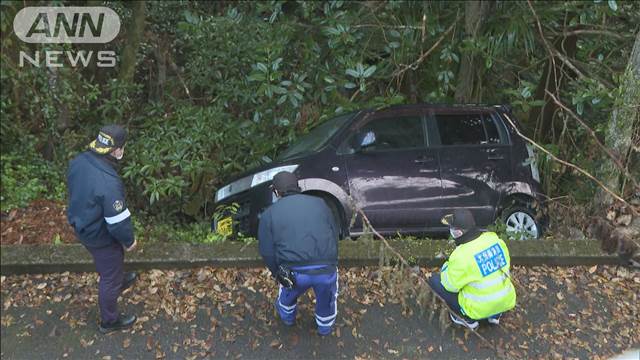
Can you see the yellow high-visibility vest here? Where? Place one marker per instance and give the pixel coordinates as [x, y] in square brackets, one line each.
[479, 272]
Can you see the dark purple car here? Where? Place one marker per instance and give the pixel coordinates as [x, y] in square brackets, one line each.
[405, 167]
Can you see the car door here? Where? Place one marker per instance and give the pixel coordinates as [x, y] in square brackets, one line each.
[395, 179]
[474, 161]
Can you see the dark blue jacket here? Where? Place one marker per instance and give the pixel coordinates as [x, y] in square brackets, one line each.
[298, 230]
[97, 209]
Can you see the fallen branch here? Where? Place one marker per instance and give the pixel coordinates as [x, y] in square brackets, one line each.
[566, 163]
[395, 252]
[611, 155]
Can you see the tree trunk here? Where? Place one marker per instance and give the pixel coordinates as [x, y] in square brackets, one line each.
[134, 34]
[624, 123]
[160, 51]
[469, 77]
[542, 118]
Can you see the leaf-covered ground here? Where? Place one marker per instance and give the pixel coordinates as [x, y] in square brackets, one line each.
[579, 312]
[42, 222]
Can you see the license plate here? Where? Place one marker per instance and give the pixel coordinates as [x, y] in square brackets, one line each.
[224, 227]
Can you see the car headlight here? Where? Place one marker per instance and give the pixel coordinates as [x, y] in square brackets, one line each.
[248, 182]
[267, 175]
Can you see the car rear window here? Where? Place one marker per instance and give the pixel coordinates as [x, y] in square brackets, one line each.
[467, 129]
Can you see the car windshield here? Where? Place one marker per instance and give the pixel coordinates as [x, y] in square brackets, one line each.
[317, 137]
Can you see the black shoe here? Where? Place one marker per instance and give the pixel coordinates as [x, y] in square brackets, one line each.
[471, 324]
[124, 322]
[129, 279]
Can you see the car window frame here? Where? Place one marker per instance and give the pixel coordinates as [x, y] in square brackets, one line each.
[434, 129]
[345, 149]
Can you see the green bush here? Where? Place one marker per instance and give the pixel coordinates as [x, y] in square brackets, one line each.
[27, 177]
[175, 163]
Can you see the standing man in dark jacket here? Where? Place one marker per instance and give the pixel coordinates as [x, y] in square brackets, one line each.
[298, 240]
[102, 222]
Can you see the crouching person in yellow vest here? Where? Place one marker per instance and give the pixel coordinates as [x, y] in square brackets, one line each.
[475, 281]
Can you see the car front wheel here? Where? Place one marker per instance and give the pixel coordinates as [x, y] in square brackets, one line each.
[521, 223]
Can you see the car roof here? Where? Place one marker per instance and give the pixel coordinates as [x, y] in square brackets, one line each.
[461, 107]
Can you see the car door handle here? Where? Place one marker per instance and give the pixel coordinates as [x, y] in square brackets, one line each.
[424, 159]
[496, 157]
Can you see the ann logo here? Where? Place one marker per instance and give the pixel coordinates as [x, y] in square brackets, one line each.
[75, 28]
[72, 24]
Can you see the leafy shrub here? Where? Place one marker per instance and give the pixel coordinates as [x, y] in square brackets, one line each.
[27, 177]
[176, 162]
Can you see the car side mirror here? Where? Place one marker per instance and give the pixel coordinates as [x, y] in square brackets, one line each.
[363, 140]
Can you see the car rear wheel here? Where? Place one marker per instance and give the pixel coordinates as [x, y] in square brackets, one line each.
[521, 223]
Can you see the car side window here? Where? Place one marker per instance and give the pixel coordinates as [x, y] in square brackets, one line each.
[493, 136]
[461, 129]
[467, 129]
[393, 133]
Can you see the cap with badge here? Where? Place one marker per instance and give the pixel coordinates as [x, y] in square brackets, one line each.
[285, 181]
[460, 218]
[109, 138]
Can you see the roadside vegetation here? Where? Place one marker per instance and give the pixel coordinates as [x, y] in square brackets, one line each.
[209, 89]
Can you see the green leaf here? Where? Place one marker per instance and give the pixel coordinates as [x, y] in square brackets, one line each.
[369, 71]
[262, 67]
[352, 73]
[256, 76]
[349, 85]
[613, 5]
[279, 90]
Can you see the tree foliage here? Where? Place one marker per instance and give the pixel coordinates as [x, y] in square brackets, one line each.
[217, 86]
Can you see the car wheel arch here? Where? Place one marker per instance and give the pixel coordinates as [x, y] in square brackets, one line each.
[329, 191]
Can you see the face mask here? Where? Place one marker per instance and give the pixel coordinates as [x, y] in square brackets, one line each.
[455, 233]
[118, 154]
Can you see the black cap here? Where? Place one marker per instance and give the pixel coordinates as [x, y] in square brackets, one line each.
[109, 138]
[461, 219]
[285, 181]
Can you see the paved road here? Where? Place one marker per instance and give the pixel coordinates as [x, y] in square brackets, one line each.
[569, 313]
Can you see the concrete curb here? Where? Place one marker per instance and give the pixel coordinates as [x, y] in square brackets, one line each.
[29, 259]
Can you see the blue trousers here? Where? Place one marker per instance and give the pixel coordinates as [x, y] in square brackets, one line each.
[325, 287]
[109, 262]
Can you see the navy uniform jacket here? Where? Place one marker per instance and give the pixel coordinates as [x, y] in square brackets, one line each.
[298, 230]
[97, 209]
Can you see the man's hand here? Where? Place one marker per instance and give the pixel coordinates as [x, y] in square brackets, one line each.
[132, 247]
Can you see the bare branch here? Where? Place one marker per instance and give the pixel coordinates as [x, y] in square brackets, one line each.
[544, 40]
[566, 163]
[596, 32]
[611, 155]
[424, 55]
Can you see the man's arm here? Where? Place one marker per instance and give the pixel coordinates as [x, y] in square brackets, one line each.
[454, 275]
[117, 215]
[266, 244]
